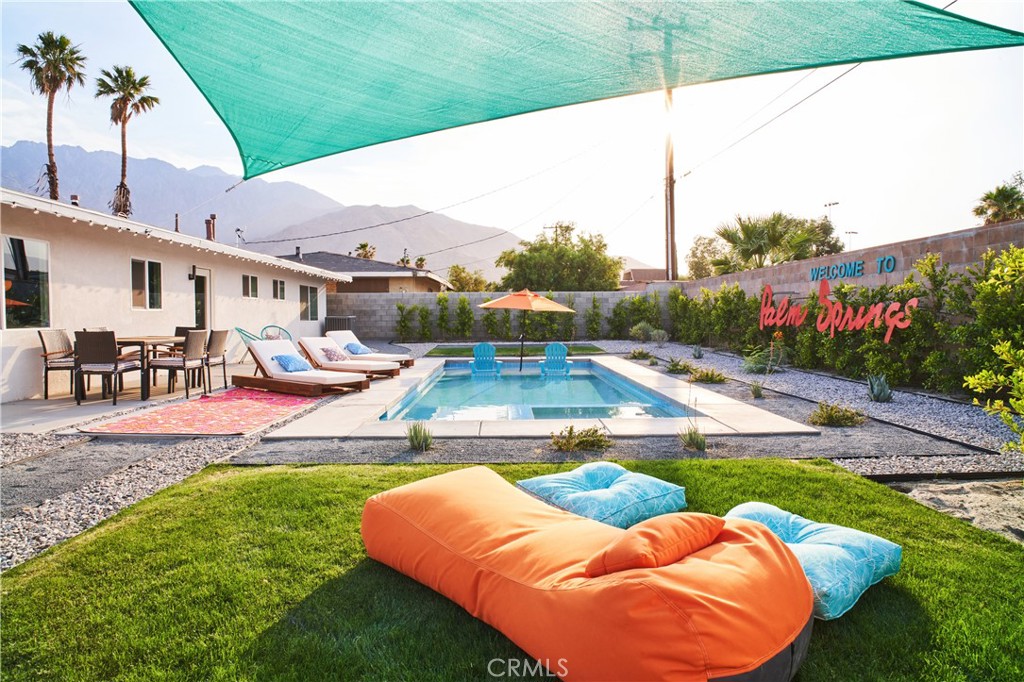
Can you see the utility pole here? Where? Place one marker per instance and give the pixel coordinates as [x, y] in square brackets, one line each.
[670, 76]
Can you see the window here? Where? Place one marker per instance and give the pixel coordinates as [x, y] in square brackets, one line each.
[308, 303]
[279, 289]
[147, 284]
[26, 283]
[250, 286]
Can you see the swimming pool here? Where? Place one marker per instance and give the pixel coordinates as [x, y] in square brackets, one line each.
[591, 392]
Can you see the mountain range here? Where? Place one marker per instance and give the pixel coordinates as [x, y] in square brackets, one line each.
[276, 217]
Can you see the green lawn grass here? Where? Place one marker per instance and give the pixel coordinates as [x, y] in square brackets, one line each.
[260, 574]
[511, 351]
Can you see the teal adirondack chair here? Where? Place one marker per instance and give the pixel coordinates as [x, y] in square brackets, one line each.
[484, 361]
[554, 362]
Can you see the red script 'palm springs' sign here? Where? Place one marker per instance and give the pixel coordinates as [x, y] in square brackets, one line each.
[835, 316]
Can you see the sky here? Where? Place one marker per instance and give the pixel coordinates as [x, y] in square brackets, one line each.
[902, 148]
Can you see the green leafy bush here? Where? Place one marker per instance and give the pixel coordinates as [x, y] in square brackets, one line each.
[1007, 387]
[419, 436]
[426, 333]
[707, 376]
[594, 318]
[444, 327]
[757, 389]
[693, 439]
[571, 440]
[678, 366]
[641, 332]
[659, 337]
[567, 321]
[619, 320]
[404, 325]
[829, 414]
[878, 389]
[490, 321]
[464, 318]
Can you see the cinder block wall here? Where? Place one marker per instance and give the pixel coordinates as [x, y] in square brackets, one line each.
[377, 315]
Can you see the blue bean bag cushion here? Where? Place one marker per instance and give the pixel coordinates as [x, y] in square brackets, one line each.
[841, 563]
[606, 492]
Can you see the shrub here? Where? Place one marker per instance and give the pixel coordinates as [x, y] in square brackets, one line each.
[463, 318]
[659, 337]
[571, 440]
[688, 318]
[678, 366]
[404, 324]
[594, 319]
[426, 334]
[1008, 386]
[652, 362]
[490, 321]
[641, 332]
[829, 414]
[567, 321]
[419, 436]
[707, 376]
[618, 321]
[757, 389]
[444, 327]
[506, 325]
[645, 309]
[693, 439]
[697, 352]
[638, 354]
[878, 389]
[765, 360]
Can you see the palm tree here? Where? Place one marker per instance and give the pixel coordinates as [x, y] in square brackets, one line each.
[364, 250]
[756, 242]
[1003, 203]
[421, 262]
[54, 65]
[404, 261]
[129, 96]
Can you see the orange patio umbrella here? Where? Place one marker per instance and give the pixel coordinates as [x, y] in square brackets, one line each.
[528, 301]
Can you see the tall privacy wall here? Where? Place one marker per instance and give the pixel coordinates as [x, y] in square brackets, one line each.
[377, 314]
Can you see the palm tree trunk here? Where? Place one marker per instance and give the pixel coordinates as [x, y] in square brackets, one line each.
[51, 161]
[124, 150]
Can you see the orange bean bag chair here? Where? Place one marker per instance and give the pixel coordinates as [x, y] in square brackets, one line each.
[678, 597]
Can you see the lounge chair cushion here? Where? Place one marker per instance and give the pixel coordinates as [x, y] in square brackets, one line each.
[266, 351]
[841, 563]
[606, 492]
[656, 542]
[740, 604]
[333, 354]
[292, 363]
[358, 349]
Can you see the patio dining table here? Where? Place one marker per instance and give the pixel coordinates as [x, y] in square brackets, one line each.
[145, 344]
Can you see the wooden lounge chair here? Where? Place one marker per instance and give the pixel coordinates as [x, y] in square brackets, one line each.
[319, 348]
[343, 337]
[484, 360]
[312, 382]
[554, 362]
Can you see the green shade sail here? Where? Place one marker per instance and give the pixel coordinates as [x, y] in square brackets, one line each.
[295, 81]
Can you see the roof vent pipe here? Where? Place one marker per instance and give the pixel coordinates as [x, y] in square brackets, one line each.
[209, 230]
[177, 226]
[298, 252]
[74, 200]
[213, 227]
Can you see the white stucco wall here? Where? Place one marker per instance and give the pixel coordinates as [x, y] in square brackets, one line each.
[90, 286]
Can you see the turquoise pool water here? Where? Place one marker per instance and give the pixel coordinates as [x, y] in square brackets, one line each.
[591, 392]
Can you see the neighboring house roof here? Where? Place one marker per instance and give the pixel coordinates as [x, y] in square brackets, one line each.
[353, 266]
[103, 221]
[644, 275]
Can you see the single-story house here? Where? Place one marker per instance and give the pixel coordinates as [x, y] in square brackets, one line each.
[362, 275]
[67, 267]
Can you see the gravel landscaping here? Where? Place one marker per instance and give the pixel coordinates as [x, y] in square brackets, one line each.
[56, 486]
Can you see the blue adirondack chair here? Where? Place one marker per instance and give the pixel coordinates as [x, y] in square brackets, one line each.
[484, 361]
[554, 362]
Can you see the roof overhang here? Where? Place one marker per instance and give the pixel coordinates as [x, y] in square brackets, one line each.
[101, 221]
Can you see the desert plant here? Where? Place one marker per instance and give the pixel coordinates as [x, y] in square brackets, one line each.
[1008, 383]
[878, 388]
[693, 439]
[697, 352]
[678, 366]
[641, 332]
[652, 362]
[757, 389]
[638, 354]
[707, 376]
[571, 440]
[659, 337]
[759, 360]
[830, 414]
[419, 436]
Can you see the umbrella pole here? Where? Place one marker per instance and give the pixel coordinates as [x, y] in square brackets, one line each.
[522, 342]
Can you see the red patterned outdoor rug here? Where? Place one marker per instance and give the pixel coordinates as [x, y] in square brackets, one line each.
[237, 411]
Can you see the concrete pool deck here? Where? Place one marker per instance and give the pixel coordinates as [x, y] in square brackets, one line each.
[358, 415]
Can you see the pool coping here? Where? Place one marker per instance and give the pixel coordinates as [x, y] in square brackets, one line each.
[357, 415]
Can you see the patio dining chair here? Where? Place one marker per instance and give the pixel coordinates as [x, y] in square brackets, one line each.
[97, 353]
[58, 356]
[191, 358]
[216, 354]
[555, 362]
[484, 360]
